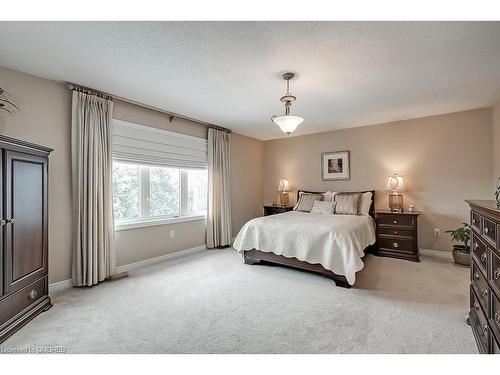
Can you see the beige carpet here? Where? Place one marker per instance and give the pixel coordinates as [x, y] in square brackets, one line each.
[212, 303]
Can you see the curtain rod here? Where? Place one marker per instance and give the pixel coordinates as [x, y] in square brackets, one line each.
[171, 115]
[90, 91]
[220, 128]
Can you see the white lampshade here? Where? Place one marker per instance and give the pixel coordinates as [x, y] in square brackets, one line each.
[288, 124]
[395, 183]
[283, 186]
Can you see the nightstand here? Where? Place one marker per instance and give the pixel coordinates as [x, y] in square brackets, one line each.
[397, 235]
[273, 210]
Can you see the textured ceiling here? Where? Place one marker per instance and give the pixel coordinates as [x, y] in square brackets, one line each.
[228, 73]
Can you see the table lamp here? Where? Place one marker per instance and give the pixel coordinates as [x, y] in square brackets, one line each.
[282, 188]
[394, 184]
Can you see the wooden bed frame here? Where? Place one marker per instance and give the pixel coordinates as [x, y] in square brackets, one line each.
[255, 256]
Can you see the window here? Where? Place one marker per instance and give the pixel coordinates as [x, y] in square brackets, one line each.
[150, 195]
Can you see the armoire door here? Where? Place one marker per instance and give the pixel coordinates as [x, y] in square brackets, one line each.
[25, 199]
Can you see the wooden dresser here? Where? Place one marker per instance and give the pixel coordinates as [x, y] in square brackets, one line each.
[484, 316]
[397, 235]
[23, 234]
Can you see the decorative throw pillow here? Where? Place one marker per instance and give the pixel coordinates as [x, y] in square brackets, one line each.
[347, 203]
[306, 202]
[329, 196]
[366, 202]
[323, 208]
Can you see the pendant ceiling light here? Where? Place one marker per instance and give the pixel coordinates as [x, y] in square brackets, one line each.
[287, 123]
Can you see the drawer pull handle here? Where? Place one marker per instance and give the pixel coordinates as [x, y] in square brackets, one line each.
[3, 222]
[484, 292]
[496, 274]
[497, 317]
[485, 328]
[473, 221]
[483, 257]
[475, 245]
[10, 221]
[33, 294]
[395, 232]
[476, 306]
[395, 244]
[476, 276]
[486, 230]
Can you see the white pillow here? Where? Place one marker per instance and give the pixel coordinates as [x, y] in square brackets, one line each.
[366, 202]
[323, 207]
[329, 196]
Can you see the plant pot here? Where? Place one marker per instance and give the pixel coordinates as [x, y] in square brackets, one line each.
[461, 255]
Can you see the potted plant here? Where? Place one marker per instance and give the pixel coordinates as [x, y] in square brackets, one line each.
[461, 253]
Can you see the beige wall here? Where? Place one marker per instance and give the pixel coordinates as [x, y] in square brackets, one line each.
[496, 143]
[444, 159]
[46, 119]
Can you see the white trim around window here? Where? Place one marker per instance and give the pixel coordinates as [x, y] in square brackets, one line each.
[124, 225]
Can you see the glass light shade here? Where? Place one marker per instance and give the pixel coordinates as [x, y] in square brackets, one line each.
[283, 185]
[395, 183]
[288, 124]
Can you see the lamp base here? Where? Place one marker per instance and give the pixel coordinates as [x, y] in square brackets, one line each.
[396, 202]
[284, 199]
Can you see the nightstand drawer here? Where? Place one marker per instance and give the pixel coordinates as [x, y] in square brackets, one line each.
[402, 220]
[393, 231]
[396, 244]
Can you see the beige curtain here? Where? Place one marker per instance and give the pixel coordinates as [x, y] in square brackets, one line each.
[91, 186]
[219, 197]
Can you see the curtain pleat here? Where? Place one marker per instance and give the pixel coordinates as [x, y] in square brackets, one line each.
[91, 188]
[219, 194]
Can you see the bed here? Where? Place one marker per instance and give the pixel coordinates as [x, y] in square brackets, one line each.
[331, 245]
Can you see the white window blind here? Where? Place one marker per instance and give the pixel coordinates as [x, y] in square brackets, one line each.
[145, 145]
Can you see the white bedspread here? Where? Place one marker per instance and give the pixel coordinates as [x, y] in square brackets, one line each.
[334, 241]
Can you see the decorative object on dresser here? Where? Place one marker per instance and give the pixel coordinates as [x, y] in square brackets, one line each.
[23, 234]
[461, 253]
[7, 102]
[394, 184]
[484, 315]
[397, 235]
[497, 193]
[273, 210]
[335, 165]
[282, 188]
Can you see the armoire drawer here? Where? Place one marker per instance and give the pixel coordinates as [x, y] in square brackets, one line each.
[14, 304]
[495, 348]
[475, 221]
[494, 276]
[495, 315]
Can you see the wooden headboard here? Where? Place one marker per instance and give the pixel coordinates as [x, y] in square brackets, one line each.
[371, 212]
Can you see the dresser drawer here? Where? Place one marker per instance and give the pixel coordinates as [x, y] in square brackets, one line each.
[495, 348]
[489, 231]
[480, 328]
[495, 314]
[479, 252]
[402, 220]
[393, 231]
[480, 285]
[14, 304]
[494, 275]
[396, 244]
[475, 221]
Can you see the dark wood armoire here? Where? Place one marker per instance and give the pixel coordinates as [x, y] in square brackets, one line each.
[23, 233]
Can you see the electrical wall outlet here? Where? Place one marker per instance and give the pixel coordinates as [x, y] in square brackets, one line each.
[172, 233]
[437, 231]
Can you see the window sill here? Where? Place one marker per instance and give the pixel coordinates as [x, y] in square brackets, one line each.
[156, 222]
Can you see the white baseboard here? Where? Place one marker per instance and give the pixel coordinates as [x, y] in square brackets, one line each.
[445, 254]
[60, 285]
[160, 259]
